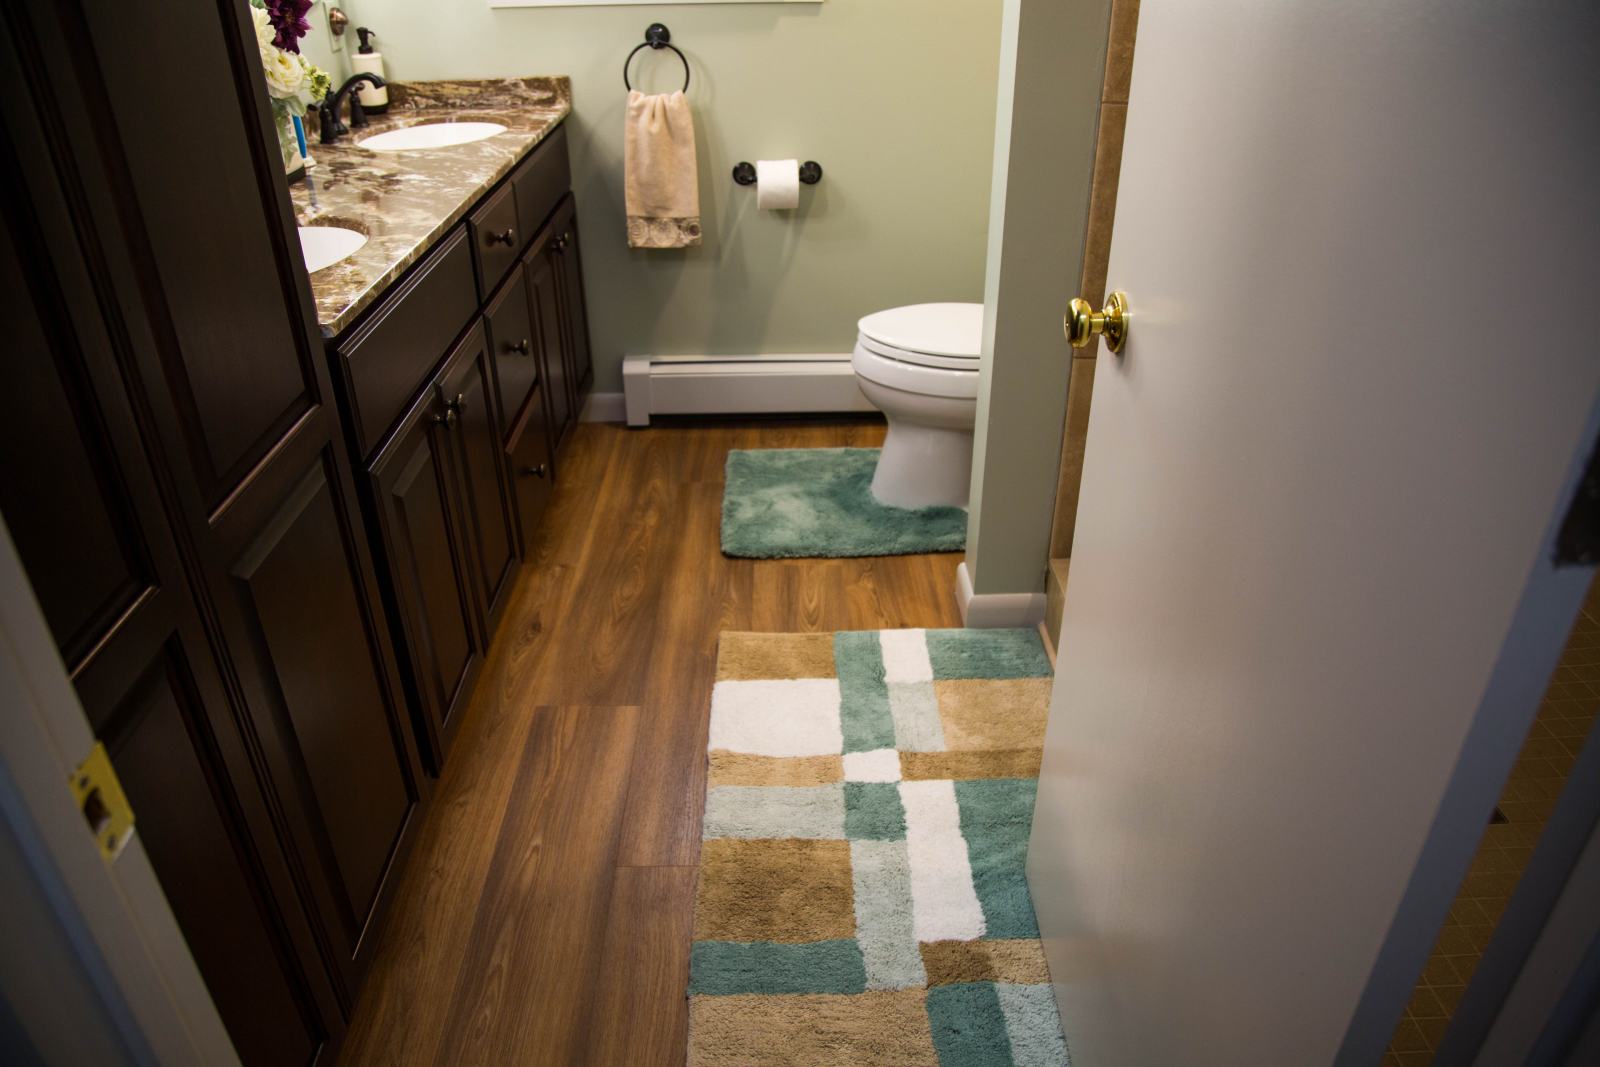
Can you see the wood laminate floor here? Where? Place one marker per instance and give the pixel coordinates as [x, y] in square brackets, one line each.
[544, 916]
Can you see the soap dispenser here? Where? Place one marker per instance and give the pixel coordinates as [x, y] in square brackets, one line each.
[375, 101]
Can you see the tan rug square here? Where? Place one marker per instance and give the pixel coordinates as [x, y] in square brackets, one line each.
[774, 890]
[884, 1029]
[971, 763]
[743, 768]
[993, 713]
[1018, 961]
[744, 656]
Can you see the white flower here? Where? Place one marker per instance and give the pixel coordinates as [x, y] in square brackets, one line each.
[286, 75]
[265, 33]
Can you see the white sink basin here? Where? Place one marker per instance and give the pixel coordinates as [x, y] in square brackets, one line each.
[431, 135]
[323, 246]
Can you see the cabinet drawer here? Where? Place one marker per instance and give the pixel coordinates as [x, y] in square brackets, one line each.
[496, 240]
[528, 458]
[543, 179]
[388, 359]
[516, 350]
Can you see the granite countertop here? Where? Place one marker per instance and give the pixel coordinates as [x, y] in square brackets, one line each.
[405, 201]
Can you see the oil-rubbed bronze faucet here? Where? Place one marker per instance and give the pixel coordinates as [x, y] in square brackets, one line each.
[328, 113]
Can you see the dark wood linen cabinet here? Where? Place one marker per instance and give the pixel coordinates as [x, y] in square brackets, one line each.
[180, 493]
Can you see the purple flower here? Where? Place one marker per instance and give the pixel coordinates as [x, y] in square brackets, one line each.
[288, 17]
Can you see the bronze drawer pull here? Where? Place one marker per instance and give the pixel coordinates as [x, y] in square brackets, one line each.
[536, 471]
[506, 237]
[523, 347]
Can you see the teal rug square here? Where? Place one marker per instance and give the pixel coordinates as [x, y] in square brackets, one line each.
[791, 503]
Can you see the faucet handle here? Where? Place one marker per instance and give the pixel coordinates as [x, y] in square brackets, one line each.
[328, 120]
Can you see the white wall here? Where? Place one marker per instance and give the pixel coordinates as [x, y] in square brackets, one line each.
[895, 98]
[1053, 58]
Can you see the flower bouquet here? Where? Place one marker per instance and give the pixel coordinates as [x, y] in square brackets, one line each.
[293, 82]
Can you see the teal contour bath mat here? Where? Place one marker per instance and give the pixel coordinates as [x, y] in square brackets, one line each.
[787, 503]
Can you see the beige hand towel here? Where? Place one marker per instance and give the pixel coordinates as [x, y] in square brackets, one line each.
[659, 172]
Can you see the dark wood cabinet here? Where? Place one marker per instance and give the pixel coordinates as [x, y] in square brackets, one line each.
[466, 388]
[552, 269]
[457, 484]
[310, 645]
[424, 544]
[187, 509]
[528, 460]
[104, 525]
[545, 300]
[273, 563]
[574, 309]
[511, 338]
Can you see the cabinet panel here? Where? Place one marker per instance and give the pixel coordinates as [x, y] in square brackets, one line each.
[528, 460]
[543, 179]
[575, 315]
[430, 575]
[516, 356]
[544, 298]
[324, 674]
[160, 746]
[496, 239]
[389, 357]
[88, 562]
[240, 371]
[467, 387]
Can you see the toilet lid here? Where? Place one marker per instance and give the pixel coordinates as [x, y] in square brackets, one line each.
[954, 331]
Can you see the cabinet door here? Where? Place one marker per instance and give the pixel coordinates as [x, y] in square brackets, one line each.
[466, 389]
[429, 571]
[309, 643]
[82, 503]
[574, 312]
[544, 300]
[528, 457]
[516, 358]
[242, 402]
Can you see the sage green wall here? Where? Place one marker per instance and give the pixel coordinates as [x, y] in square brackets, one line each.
[895, 98]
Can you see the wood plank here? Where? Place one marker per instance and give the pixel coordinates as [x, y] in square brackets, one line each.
[642, 1017]
[555, 869]
[523, 987]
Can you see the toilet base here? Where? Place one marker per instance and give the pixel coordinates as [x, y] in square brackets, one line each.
[923, 466]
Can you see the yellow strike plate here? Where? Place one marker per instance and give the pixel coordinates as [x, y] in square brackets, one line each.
[102, 801]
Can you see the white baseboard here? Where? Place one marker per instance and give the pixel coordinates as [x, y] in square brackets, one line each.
[983, 611]
[739, 385]
[603, 407]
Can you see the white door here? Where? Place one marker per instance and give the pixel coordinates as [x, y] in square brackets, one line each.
[1311, 606]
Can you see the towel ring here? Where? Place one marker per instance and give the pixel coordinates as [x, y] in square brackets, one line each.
[658, 37]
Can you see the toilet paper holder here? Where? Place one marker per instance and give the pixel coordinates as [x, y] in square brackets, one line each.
[810, 173]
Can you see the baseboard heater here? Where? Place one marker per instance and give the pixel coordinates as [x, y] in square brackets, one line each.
[738, 385]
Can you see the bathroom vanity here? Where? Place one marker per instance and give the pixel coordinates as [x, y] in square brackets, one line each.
[271, 519]
[459, 348]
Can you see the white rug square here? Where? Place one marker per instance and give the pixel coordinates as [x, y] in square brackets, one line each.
[786, 717]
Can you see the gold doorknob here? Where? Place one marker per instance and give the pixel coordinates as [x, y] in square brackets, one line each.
[1083, 323]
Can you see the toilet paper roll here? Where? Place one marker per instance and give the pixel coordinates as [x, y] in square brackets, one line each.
[777, 184]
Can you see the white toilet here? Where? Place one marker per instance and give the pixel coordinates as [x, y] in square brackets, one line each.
[919, 365]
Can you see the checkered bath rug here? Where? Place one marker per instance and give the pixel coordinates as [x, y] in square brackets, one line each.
[862, 897]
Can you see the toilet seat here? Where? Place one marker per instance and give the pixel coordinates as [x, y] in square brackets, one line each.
[913, 374]
[960, 364]
[929, 335]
